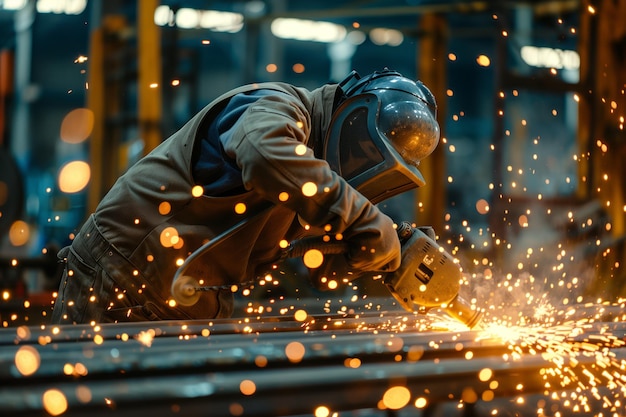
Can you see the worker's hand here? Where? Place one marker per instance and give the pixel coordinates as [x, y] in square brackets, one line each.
[373, 245]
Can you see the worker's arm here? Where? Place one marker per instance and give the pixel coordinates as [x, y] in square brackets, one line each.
[267, 146]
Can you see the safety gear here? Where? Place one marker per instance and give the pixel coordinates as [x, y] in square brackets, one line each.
[384, 125]
[373, 247]
[133, 246]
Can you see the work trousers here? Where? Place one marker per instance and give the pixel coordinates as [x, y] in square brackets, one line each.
[101, 285]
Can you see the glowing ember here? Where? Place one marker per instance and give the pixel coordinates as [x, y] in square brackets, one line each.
[27, 360]
[295, 351]
[146, 337]
[578, 356]
[54, 402]
[396, 397]
[247, 387]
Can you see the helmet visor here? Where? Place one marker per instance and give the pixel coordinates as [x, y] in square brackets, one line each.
[357, 151]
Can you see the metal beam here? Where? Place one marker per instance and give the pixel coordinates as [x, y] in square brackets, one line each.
[244, 366]
[543, 7]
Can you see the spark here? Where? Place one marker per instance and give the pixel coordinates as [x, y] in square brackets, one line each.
[146, 337]
[577, 353]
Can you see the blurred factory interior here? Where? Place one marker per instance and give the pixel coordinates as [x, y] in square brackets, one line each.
[526, 190]
[528, 177]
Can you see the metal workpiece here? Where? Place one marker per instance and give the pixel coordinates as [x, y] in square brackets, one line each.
[283, 366]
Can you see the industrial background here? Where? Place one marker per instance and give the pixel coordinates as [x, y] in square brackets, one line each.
[526, 187]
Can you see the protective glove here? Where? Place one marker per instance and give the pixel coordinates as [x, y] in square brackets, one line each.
[373, 243]
[373, 247]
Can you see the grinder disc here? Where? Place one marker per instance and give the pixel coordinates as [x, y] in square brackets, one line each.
[184, 290]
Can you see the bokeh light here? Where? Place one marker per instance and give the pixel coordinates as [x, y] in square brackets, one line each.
[483, 60]
[247, 387]
[313, 258]
[19, 233]
[77, 125]
[74, 176]
[309, 189]
[295, 351]
[396, 397]
[54, 402]
[27, 360]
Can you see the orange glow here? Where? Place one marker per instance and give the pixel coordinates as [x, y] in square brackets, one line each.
[54, 402]
[146, 337]
[23, 332]
[74, 176]
[235, 409]
[19, 233]
[523, 220]
[322, 411]
[485, 374]
[197, 191]
[309, 189]
[421, 402]
[488, 395]
[483, 60]
[482, 206]
[469, 395]
[169, 237]
[240, 208]
[165, 208]
[415, 353]
[260, 361]
[247, 387]
[295, 352]
[313, 258]
[300, 315]
[300, 149]
[83, 394]
[27, 360]
[77, 125]
[396, 397]
[352, 363]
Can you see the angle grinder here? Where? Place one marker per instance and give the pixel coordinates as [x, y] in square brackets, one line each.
[428, 277]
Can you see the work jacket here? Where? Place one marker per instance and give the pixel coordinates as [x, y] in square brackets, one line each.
[153, 218]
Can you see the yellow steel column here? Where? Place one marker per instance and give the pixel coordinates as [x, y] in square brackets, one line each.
[602, 114]
[603, 107]
[95, 102]
[431, 66]
[149, 51]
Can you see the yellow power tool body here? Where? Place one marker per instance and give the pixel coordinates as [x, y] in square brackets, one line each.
[429, 277]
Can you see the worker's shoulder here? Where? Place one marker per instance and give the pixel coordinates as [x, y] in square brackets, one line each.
[276, 88]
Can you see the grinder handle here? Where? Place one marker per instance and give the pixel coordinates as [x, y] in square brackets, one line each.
[299, 247]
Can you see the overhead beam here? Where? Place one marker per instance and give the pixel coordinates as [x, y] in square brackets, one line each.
[545, 7]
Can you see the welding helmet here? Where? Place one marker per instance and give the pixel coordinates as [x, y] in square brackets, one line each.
[383, 126]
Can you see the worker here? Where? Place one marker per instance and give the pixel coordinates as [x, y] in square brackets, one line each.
[284, 162]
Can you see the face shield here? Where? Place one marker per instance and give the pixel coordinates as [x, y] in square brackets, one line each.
[379, 133]
[356, 150]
